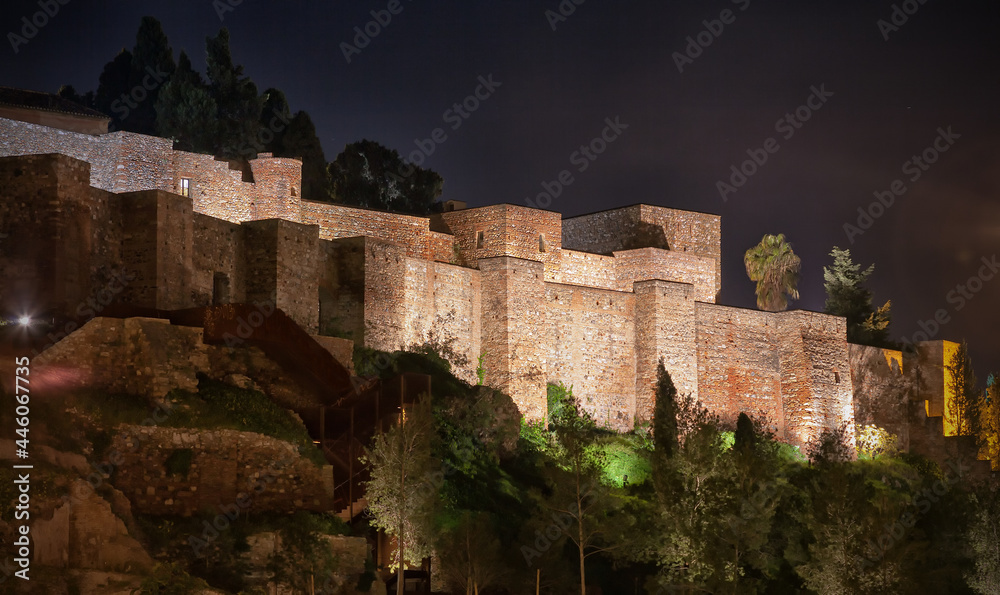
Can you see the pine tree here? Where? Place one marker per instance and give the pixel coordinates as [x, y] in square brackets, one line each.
[239, 107]
[151, 68]
[847, 296]
[185, 110]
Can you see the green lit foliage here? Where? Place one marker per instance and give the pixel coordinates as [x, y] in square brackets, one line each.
[874, 442]
[586, 512]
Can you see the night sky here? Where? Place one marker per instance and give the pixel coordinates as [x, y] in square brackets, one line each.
[886, 101]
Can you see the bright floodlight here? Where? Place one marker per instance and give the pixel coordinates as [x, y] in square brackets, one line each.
[24, 320]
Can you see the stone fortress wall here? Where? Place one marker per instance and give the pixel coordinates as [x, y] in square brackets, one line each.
[592, 301]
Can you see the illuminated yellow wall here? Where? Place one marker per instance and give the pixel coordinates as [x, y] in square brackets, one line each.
[949, 350]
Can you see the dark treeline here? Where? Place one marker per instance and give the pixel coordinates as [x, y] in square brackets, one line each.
[222, 113]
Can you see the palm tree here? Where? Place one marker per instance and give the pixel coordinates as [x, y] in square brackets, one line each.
[775, 268]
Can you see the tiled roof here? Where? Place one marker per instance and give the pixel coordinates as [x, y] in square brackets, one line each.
[45, 101]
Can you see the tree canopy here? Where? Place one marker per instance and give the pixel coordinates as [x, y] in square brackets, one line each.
[775, 268]
[847, 296]
[367, 174]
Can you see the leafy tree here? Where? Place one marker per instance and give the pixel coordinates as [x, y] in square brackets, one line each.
[984, 540]
[775, 268]
[186, 111]
[302, 556]
[301, 142]
[693, 491]
[366, 174]
[238, 105]
[964, 407]
[578, 505]
[847, 296]
[751, 506]
[401, 491]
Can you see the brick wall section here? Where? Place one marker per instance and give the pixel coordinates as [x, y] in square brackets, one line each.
[62, 236]
[283, 264]
[442, 302]
[591, 270]
[277, 183]
[664, 329]
[342, 288]
[508, 230]
[384, 295]
[130, 162]
[591, 346]
[739, 366]
[610, 231]
[157, 242]
[219, 251]
[816, 388]
[407, 231]
[681, 267]
[226, 463]
[881, 390]
[513, 331]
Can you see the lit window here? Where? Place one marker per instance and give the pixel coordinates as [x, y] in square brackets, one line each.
[480, 239]
[541, 242]
[186, 187]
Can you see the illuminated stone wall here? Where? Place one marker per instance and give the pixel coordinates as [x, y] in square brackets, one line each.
[591, 345]
[739, 367]
[593, 301]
